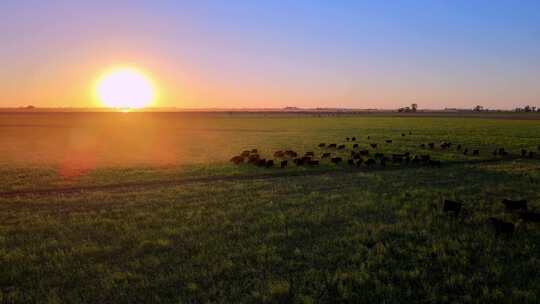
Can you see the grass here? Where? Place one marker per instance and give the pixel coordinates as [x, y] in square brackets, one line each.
[341, 236]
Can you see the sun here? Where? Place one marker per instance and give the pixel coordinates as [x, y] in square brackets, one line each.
[125, 88]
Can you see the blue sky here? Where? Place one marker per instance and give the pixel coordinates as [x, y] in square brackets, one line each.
[362, 54]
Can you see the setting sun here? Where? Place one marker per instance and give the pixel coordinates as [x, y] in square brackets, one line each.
[125, 88]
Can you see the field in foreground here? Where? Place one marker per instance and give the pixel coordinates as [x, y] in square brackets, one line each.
[306, 235]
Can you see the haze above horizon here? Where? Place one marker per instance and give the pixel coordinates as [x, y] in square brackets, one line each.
[274, 54]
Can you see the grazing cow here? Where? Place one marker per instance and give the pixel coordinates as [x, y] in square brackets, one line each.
[350, 161]
[370, 162]
[341, 147]
[495, 152]
[475, 152]
[511, 205]
[313, 162]
[321, 145]
[326, 155]
[299, 161]
[423, 146]
[332, 146]
[523, 152]
[269, 163]
[364, 152]
[431, 145]
[284, 164]
[379, 155]
[254, 151]
[355, 146]
[309, 154]
[261, 162]
[237, 160]
[245, 153]
[458, 147]
[530, 217]
[531, 154]
[347, 138]
[466, 151]
[410, 132]
[502, 227]
[446, 145]
[402, 134]
[336, 160]
[353, 139]
[388, 141]
[452, 206]
[279, 154]
[374, 146]
[370, 137]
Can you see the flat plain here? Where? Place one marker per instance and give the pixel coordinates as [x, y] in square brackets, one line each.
[146, 207]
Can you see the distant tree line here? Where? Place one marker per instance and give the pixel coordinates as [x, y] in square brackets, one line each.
[413, 108]
[527, 108]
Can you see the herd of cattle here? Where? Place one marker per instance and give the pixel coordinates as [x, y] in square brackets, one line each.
[333, 153]
[516, 207]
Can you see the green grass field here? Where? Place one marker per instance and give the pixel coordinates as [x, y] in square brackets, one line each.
[146, 207]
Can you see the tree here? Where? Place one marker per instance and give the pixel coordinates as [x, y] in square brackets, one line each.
[414, 107]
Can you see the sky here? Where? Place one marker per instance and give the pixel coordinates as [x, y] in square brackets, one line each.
[272, 54]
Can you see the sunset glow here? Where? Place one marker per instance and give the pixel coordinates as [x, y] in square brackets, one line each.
[125, 88]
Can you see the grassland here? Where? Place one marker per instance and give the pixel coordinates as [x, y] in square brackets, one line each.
[303, 235]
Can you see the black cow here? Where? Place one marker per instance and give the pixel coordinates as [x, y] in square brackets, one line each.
[313, 162]
[523, 152]
[370, 162]
[374, 146]
[299, 161]
[261, 162]
[355, 146]
[284, 164]
[322, 145]
[269, 163]
[531, 154]
[325, 155]
[237, 159]
[388, 141]
[431, 145]
[458, 147]
[423, 146]
[350, 161]
[332, 145]
[309, 154]
[341, 147]
[254, 151]
[402, 134]
[466, 151]
[364, 152]
[511, 205]
[279, 154]
[353, 139]
[253, 158]
[347, 139]
[452, 206]
[245, 153]
[291, 153]
[475, 152]
[336, 160]
[502, 227]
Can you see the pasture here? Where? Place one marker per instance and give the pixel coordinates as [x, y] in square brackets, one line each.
[147, 207]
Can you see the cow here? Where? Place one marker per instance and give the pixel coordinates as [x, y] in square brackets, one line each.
[359, 162]
[341, 147]
[531, 154]
[374, 146]
[353, 139]
[254, 151]
[511, 205]
[431, 145]
[370, 138]
[299, 161]
[322, 145]
[475, 152]
[388, 141]
[355, 146]
[253, 158]
[237, 159]
[466, 151]
[495, 152]
[336, 160]
[452, 206]
[502, 227]
[446, 145]
[326, 155]
[379, 155]
[347, 139]
[350, 161]
[284, 164]
[291, 153]
[523, 152]
[309, 154]
[245, 153]
[402, 134]
[530, 217]
[332, 146]
[410, 132]
[364, 152]
[423, 146]
[279, 154]
[269, 163]
[261, 162]
[383, 161]
[458, 148]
